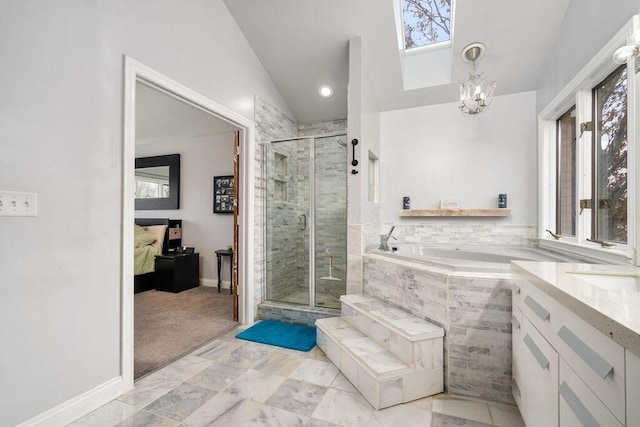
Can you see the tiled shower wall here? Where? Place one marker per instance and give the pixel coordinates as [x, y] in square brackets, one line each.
[319, 128]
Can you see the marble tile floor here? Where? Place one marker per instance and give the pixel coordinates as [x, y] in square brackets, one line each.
[231, 382]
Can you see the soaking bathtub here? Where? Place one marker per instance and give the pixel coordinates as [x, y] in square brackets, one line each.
[485, 259]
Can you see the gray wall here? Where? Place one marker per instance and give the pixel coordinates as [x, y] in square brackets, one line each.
[61, 133]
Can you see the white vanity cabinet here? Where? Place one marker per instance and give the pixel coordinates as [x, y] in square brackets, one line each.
[566, 372]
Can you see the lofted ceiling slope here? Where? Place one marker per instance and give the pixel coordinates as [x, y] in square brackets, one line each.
[304, 43]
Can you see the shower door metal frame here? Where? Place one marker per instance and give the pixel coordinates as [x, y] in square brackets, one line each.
[312, 211]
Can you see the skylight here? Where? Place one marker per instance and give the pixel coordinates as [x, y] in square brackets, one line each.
[426, 22]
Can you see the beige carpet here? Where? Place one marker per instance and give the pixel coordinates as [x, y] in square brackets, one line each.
[169, 325]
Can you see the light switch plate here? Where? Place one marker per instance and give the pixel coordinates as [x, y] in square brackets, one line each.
[449, 204]
[15, 203]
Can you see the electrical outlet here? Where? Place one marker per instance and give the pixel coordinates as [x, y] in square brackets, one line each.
[14, 203]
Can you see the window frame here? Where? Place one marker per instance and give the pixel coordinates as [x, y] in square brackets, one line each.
[579, 93]
[572, 109]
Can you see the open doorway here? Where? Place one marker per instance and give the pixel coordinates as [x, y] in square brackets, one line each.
[178, 303]
[157, 93]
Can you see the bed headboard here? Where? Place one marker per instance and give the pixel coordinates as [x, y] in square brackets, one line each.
[168, 244]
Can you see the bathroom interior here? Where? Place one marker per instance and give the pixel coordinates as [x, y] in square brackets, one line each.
[507, 242]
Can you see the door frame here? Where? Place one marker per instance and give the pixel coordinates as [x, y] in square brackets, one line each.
[135, 71]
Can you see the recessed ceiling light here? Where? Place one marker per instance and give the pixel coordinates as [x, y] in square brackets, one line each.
[325, 91]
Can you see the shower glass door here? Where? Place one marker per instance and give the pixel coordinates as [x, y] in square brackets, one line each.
[306, 221]
[330, 220]
[287, 221]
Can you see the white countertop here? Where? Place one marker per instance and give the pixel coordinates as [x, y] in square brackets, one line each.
[614, 313]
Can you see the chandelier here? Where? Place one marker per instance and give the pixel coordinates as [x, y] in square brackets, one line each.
[475, 94]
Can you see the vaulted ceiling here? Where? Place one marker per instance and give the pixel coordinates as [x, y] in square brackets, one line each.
[304, 44]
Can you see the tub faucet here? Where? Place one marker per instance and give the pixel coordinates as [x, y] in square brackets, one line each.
[384, 239]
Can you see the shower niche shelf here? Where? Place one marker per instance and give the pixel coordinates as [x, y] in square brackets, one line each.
[456, 212]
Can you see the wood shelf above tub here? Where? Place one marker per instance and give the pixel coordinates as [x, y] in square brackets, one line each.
[456, 212]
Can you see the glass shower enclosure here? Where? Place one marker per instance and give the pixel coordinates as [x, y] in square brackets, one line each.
[306, 220]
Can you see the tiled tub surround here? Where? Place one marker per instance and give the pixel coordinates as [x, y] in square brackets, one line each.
[390, 356]
[474, 309]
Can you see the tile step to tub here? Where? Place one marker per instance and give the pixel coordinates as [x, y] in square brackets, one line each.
[380, 363]
[400, 322]
[383, 379]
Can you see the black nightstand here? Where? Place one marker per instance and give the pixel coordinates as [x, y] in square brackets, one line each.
[177, 272]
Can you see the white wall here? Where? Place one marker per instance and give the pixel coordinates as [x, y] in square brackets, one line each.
[61, 131]
[201, 159]
[586, 27]
[435, 153]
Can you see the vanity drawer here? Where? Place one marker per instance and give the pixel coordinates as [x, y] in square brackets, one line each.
[516, 292]
[578, 405]
[536, 377]
[540, 309]
[596, 359]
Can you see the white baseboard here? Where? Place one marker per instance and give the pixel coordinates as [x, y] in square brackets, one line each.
[214, 283]
[78, 406]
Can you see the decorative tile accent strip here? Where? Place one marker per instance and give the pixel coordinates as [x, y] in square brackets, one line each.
[475, 313]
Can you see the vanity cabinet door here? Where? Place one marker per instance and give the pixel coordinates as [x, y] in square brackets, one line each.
[537, 377]
[578, 405]
[633, 389]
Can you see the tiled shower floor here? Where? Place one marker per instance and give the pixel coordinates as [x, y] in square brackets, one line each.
[231, 382]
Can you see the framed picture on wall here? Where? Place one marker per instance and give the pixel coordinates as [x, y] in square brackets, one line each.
[223, 194]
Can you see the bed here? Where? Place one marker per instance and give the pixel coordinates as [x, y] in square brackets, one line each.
[151, 238]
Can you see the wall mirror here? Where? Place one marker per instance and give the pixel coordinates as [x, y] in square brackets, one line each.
[157, 182]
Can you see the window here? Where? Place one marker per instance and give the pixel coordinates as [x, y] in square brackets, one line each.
[566, 173]
[586, 169]
[610, 155]
[426, 22]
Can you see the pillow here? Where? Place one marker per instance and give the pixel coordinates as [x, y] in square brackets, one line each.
[142, 237]
[158, 232]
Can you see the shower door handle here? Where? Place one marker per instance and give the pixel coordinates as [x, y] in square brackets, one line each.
[302, 222]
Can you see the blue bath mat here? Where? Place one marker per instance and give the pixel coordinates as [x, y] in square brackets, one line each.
[287, 335]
